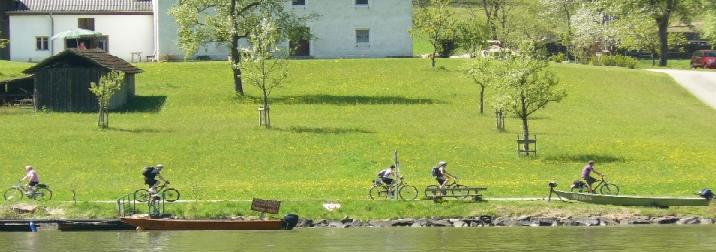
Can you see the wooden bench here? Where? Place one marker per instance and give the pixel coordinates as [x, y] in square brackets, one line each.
[458, 193]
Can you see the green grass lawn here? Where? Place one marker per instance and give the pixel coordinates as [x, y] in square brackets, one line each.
[9, 70]
[672, 63]
[337, 123]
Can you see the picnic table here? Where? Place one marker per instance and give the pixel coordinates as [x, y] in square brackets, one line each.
[439, 195]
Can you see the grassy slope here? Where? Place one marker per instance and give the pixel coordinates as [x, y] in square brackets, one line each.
[9, 70]
[338, 121]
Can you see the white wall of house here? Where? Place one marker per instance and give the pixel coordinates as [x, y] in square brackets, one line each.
[126, 33]
[388, 22]
[168, 40]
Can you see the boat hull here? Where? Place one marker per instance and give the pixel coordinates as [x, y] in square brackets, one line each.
[173, 224]
[625, 200]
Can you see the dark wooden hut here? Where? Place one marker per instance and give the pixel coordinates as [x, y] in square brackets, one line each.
[62, 81]
[16, 91]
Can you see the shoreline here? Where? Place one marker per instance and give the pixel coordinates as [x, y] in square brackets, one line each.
[520, 221]
[436, 222]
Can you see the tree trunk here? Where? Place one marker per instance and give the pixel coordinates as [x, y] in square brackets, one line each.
[235, 63]
[663, 23]
[235, 55]
[663, 42]
[432, 57]
[653, 59]
[525, 127]
[482, 99]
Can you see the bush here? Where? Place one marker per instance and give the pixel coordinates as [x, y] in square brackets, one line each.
[557, 57]
[617, 60]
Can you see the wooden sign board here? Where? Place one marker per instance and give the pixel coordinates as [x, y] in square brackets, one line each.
[265, 206]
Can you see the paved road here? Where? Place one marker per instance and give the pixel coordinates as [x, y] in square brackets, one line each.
[216, 201]
[701, 84]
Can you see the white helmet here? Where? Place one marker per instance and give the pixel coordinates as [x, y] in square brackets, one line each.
[442, 163]
[159, 166]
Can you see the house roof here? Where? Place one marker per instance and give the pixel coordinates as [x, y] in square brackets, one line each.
[59, 7]
[95, 56]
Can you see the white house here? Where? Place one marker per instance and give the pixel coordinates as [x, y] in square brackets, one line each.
[144, 29]
[127, 26]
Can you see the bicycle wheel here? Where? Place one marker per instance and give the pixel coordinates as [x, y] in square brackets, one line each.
[170, 195]
[13, 194]
[431, 191]
[42, 194]
[459, 194]
[378, 192]
[141, 195]
[610, 189]
[408, 192]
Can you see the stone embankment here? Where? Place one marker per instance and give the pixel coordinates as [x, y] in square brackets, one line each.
[521, 221]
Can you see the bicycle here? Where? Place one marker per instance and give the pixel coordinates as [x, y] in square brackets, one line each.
[169, 194]
[600, 185]
[42, 192]
[432, 190]
[380, 190]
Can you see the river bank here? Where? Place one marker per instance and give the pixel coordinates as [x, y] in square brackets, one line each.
[361, 213]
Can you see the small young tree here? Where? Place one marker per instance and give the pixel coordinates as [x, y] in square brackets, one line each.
[265, 65]
[108, 85]
[436, 21]
[480, 71]
[528, 87]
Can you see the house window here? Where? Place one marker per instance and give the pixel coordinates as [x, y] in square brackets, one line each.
[361, 2]
[299, 2]
[41, 43]
[362, 36]
[85, 23]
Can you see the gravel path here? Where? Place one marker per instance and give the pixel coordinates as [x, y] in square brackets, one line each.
[701, 84]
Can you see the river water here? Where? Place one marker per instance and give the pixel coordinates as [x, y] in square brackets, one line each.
[629, 238]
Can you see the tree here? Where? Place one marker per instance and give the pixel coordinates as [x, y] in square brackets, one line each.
[528, 86]
[638, 33]
[710, 29]
[436, 21]
[472, 34]
[498, 13]
[229, 21]
[264, 63]
[3, 42]
[593, 31]
[480, 70]
[561, 11]
[661, 11]
[108, 85]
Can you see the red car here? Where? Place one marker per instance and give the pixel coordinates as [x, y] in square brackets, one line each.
[704, 59]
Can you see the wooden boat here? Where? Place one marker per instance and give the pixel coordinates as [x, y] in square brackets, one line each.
[174, 224]
[625, 200]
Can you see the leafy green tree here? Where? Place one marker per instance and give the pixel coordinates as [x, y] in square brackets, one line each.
[561, 12]
[109, 84]
[472, 34]
[662, 11]
[480, 71]
[435, 21]
[264, 63]
[527, 87]
[229, 21]
[498, 13]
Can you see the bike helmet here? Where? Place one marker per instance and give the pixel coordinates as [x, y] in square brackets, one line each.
[442, 163]
[159, 166]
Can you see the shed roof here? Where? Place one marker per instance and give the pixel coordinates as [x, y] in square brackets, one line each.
[95, 56]
[81, 6]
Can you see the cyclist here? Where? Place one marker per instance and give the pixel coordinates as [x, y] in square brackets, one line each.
[386, 174]
[586, 172]
[441, 174]
[32, 178]
[150, 177]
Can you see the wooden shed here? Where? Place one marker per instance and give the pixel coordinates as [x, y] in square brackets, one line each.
[62, 81]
